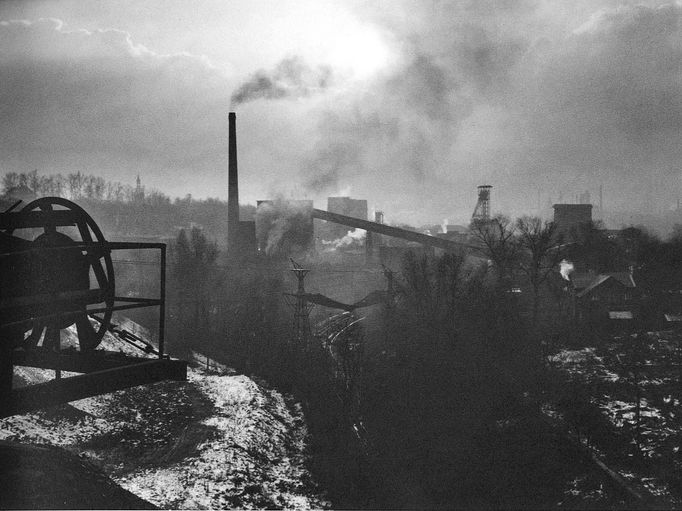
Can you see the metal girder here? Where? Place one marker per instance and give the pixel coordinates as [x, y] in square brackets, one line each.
[74, 361]
[60, 391]
[388, 230]
[81, 297]
[29, 219]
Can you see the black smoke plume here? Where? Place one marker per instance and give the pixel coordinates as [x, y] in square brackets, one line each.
[284, 228]
[291, 78]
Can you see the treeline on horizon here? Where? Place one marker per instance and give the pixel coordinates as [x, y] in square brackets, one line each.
[123, 210]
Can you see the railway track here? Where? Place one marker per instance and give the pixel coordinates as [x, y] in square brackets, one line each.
[634, 497]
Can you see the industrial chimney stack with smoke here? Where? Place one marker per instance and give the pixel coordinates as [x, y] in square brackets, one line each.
[233, 189]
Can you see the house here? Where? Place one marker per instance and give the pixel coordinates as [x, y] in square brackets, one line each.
[606, 299]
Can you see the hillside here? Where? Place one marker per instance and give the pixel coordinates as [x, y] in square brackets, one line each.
[219, 440]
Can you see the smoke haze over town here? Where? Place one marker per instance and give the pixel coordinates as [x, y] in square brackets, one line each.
[410, 105]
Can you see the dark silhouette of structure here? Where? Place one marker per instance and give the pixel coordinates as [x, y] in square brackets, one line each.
[388, 230]
[568, 217]
[233, 189]
[482, 209]
[301, 305]
[241, 235]
[60, 278]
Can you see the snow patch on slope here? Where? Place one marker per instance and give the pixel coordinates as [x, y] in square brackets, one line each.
[256, 460]
[219, 440]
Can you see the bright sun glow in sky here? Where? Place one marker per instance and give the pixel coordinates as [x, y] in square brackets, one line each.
[360, 51]
[331, 34]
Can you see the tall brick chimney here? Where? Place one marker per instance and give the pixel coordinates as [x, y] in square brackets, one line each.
[233, 189]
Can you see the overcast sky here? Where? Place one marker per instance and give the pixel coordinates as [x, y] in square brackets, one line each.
[409, 104]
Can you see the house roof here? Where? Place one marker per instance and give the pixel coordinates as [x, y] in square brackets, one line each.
[623, 278]
[596, 282]
[581, 280]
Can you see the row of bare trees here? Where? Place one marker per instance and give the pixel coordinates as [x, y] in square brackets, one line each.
[529, 247]
[73, 186]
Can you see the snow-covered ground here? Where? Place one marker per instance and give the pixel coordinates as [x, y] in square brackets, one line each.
[255, 459]
[219, 440]
[610, 375]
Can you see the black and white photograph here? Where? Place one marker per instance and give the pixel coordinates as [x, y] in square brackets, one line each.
[340, 254]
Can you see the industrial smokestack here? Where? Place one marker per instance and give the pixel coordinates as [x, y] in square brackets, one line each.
[233, 188]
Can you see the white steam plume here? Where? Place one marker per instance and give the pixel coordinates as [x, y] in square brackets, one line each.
[566, 268]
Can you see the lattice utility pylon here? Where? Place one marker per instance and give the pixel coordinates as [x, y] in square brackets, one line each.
[482, 210]
[301, 305]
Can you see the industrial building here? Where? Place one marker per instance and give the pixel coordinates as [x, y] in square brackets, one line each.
[356, 208]
[571, 217]
[285, 227]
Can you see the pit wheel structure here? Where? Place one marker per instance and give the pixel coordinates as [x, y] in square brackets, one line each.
[73, 268]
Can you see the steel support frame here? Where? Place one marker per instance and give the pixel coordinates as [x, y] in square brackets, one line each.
[75, 361]
[128, 303]
[60, 391]
[105, 372]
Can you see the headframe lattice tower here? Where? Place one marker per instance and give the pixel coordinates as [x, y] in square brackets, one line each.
[301, 306]
[482, 210]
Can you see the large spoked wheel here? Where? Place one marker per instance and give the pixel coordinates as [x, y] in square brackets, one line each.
[72, 275]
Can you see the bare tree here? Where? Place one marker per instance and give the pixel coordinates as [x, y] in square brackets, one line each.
[75, 182]
[58, 185]
[129, 193]
[114, 191]
[94, 187]
[539, 253]
[35, 182]
[23, 180]
[9, 181]
[498, 242]
[195, 278]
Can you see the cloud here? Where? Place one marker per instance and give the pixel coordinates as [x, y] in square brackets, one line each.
[514, 95]
[95, 101]
[609, 100]
[536, 97]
